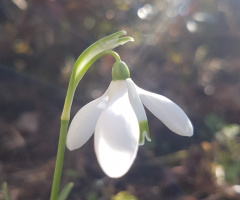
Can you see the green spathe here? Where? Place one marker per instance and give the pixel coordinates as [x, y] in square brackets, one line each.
[120, 71]
[95, 51]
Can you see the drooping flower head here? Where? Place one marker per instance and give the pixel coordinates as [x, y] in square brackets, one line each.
[119, 122]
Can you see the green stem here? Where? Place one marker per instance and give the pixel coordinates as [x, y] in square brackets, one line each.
[60, 159]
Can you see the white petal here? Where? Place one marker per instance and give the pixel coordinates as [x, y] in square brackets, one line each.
[117, 133]
[167, 111]
[84, 122]
[139, 111]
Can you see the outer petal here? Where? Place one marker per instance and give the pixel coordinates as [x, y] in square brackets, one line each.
[84, 122]
[167, 111]
[139, 111]
[117, 133]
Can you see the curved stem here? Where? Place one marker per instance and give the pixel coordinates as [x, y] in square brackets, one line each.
[74, 81]
[114, 54]
[84, 61]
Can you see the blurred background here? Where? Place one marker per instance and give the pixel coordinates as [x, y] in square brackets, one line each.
[186, 50]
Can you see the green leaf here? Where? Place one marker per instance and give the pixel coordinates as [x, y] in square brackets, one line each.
[65, 192]
[5, 191]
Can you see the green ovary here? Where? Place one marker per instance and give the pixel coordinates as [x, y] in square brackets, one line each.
[120, 71]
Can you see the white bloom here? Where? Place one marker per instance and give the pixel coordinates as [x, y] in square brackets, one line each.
[120, 124]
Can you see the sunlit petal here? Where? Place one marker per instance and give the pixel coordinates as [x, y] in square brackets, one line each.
[139, 111]
[117, 133]
[84, 122]
[167, 111]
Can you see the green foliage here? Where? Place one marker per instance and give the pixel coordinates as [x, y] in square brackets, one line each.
[73, 173]
[5, 191]
[229, 156]
[214, 123]
[65, 192]
[92, 196]
[124, 195]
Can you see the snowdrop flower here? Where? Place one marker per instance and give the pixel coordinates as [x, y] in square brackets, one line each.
[120, 123]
